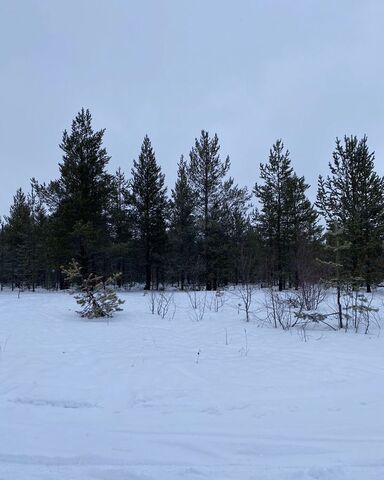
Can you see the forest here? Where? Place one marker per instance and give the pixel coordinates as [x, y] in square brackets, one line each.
[207, 232]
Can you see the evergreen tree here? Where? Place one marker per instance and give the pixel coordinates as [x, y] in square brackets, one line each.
[336, 277]
[304, 233]
[3, 256]
[286, 219]
[150, 205]
[353, 196]
[120, 225]
[183, 229]
[78, 200]
[207, 173]
[273, 198]
[17, 233]
[96, 294]
[36, 241]
[23, 246]
[232, 259]
[119, 208]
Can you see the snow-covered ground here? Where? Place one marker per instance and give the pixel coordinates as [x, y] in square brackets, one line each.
[147, 398]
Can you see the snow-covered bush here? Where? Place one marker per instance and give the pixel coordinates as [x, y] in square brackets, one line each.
[95, 295]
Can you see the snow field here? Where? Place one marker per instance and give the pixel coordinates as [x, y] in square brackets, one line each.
[146, 398]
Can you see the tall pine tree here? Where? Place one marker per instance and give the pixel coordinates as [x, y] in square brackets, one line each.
[78, 200]
[286, 220]
[207, 174]
[17, 234]
[352, 195]
[183, 228]
[304, 235]
[120, 227]
[150, 205]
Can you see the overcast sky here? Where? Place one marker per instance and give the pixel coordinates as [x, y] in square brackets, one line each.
[250, 70]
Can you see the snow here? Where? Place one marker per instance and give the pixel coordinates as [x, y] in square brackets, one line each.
[148, 398]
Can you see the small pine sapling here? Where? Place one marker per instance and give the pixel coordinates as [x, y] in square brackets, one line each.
[340, 280]
[96, 297]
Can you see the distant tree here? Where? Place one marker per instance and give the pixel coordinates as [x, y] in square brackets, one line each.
[304, 233]
[3, 256]
[207, 173]
[119, 208]
[24, 261]
[229, 243]
[36, 245]
[120, 225]
[183, 227]
[150, 206]
[353, 196]
[79, 199]
[18, 226]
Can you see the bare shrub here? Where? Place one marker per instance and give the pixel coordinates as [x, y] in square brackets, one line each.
[193, 298]
[164, 302]
[218, 300]
[152, 295]
[280, 307]
[300, 309]
[359, 311]
[310, 295]
[161, 303]
[245, 294]
[198, 304]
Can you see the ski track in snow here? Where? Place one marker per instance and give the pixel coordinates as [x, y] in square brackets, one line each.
[132, 399]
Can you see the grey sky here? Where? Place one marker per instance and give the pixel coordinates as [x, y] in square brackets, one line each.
[252, 71]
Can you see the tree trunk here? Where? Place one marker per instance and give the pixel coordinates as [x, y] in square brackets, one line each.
[148, 266]
[340, 311]
[281, 284]
[147, 276]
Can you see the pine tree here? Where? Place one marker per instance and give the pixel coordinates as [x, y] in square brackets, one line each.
[3, 256]
[304, 235]
[23, 247]
[273, 198]
[36, 241]
[78, 200]
[150, 205]
[17, 232]
[233, 260]
[95, 295]
[183, 228]
[119, 208]
[286, 219]
[120, 225]
[207, 173]
[353, 196]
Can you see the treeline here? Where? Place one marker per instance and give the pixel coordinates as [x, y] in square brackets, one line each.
[207, 232]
